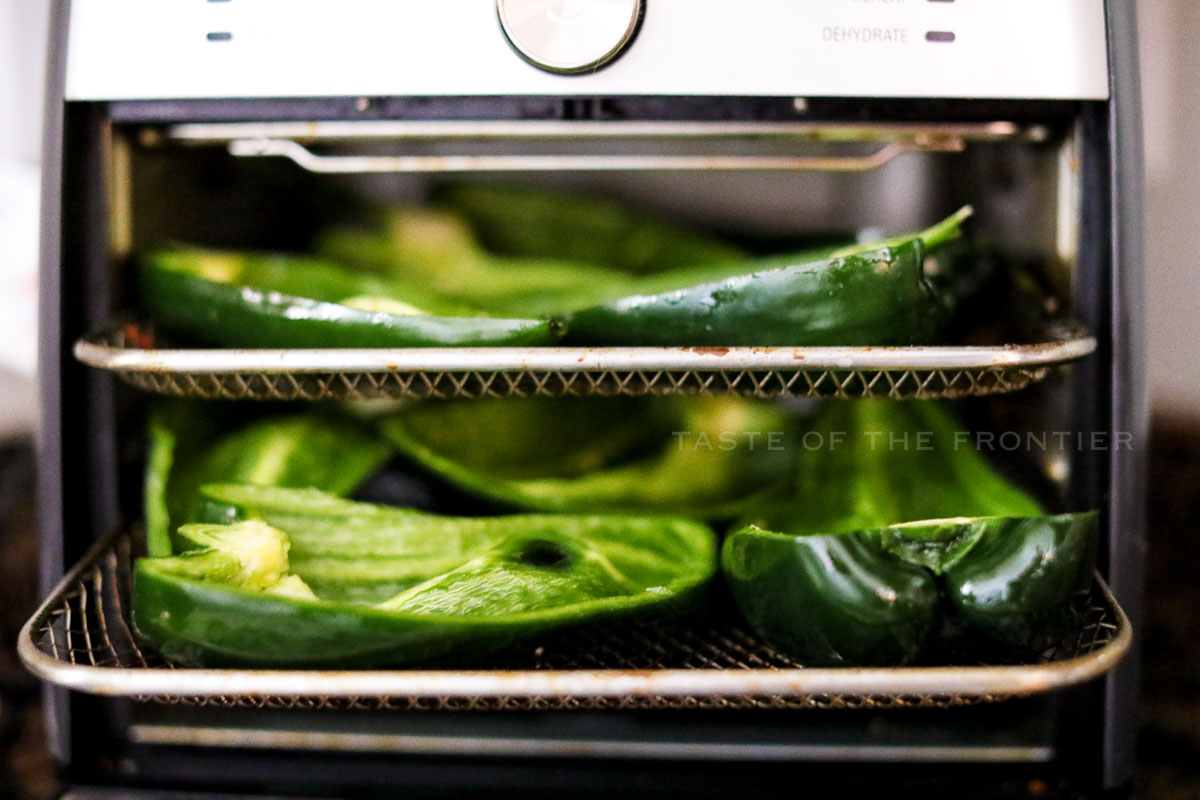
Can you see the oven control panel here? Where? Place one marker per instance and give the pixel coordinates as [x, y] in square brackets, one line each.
[178, 49]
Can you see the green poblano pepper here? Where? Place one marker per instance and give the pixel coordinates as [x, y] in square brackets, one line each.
[188, 448]
[254, 300]
[893, 523]
[350, 551]
[1016, 583]
[434, 252]
[697, 457]
[239, 600]
[872, 463]
[875, 597]
[539, 223]
[830, 600]
[863, 295]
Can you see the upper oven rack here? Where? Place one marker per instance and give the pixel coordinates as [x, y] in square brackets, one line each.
[81, 639]
[128, 350]
[681, 146]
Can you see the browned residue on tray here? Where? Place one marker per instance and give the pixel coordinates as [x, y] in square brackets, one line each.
[138, 337]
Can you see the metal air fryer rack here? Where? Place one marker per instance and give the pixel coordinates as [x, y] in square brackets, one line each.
[80, 638]
[895, 372]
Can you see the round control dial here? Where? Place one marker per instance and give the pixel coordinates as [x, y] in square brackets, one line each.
[569, 35]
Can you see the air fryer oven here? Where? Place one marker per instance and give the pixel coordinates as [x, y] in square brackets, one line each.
[250, 122]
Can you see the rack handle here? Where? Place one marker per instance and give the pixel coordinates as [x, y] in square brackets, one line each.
[337, 164]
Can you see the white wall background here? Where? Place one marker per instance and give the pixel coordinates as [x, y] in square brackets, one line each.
[1171, 85]
[22, 67]
[1171, 104]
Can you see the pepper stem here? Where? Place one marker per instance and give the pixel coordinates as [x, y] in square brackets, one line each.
[947, 230]
[933, 237]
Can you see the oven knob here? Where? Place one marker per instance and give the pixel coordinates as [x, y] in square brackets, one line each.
[569, 35]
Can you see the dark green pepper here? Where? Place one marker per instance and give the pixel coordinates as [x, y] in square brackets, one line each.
[894, 492]
[871, 463]
[539, 223]
[871, 597]
[1009, 578]
[830, 600]
[239, 602]
[879, 296]
[255, 301]
[697, 457]
[434, 252]
[188, 450]
[1017, 581]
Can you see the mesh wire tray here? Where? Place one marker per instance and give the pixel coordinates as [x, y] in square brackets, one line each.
[130, 351]
[81, 639]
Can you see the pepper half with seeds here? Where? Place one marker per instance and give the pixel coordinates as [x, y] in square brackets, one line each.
[238, 599]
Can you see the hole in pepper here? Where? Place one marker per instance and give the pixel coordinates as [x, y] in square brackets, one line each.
[543, 553]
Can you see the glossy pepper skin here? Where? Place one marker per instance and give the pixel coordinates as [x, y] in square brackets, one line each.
[875, 597]
[895, 484]
[1016, 583]
[235, 301]
[434, 252]
[830, 600]
[231, 605]
[860, 296]
[875, 298]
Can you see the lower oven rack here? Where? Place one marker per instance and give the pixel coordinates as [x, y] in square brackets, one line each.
[80, 639]
[128, 350]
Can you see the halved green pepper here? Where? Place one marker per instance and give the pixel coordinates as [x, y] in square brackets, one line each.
[188, 449]
[697, 457]
[874, 597]
[1016, 583]
[870, 463]
[251, 300]
[830, 600]
[863, 296]
[238, 602]
[225, 503]
[539, 223]
[349, 551]
[895, 521]
[433, 251]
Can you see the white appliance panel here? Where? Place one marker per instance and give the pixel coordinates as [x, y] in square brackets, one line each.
[179, 49]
